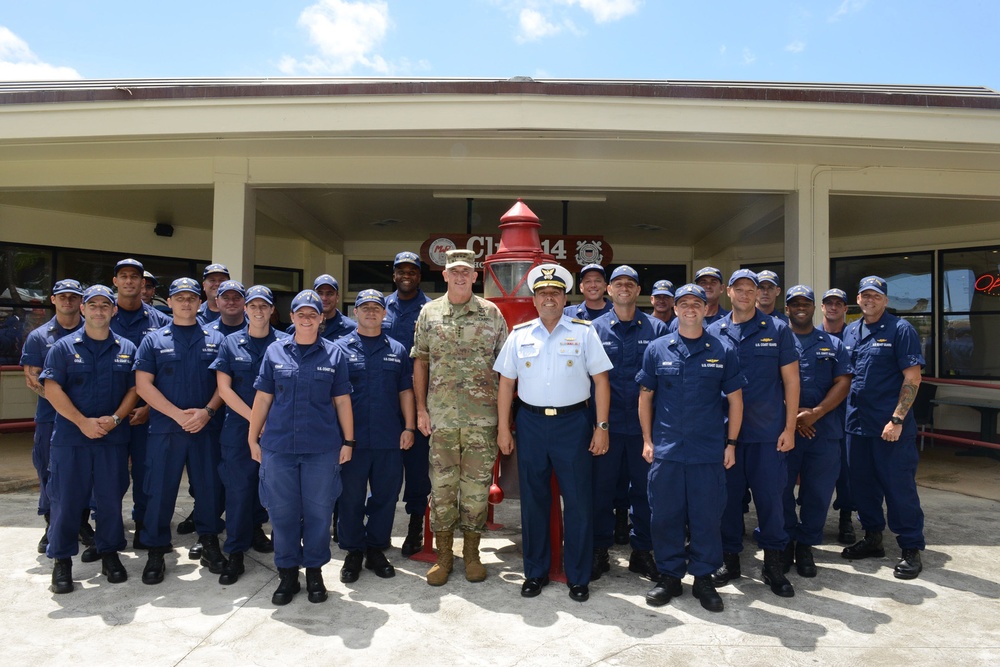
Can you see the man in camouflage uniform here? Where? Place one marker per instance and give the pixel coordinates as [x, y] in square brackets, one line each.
[458, 337]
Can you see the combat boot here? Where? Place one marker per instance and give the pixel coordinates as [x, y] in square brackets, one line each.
[137, 544]
[288, 586]
[86, 530]
[62, 576]
[704, 590]
[805, 564]
[112, 568]
[211, 554]
[729, 571]
[788, 556]
[314, 584]
[438, 574]
[153, 572]
[474, 568]
[233, 569]
[600, 564]
[414, 541]
[773, 575]
[845, 529]
[870, 546]
[43, 543]
[909, 565]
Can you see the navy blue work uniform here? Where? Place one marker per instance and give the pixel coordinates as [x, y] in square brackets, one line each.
[687, 480]
[709, 319]
[764, 345]
[95, 375]
[815, 461]
[334, 328]
[134, 325]
[843, 500]
[625, 344]
[380, 370]
[180, 359]
[36, 347]
[400, 323]
[240, 358]
[580, 311]
[879, 353]
[552, 370]
[300, 447]
[206, 316]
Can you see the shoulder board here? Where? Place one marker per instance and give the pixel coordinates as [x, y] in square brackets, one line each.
[578, 321]
[522, 325]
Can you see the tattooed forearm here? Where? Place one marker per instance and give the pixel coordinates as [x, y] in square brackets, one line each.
[907, 394]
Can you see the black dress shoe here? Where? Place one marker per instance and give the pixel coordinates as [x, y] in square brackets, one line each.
[194, 553]
[288, 586]
[376, 561]
[600, 564]
[112, 568]
[869, 547]
[666, 588]
[621, 526]
[260, 542]
[414, 541]
[532, 586]
[642, 562]
[233, 569]
[805, 564]
[186, 527]
[314, 585]
[153, 572]
[90, 555]
[729, 571]
[351, 570]
[579, 592]
[704, 590]
[62, 576]
[909, 565]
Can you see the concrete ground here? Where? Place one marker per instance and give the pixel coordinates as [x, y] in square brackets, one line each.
[852, 613]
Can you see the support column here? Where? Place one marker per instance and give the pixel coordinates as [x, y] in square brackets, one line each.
[234, 220]
[807, 230]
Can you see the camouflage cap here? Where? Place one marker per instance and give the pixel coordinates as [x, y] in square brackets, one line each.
[460, 258]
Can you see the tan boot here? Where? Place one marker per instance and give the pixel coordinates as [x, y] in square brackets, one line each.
[474, 568]
[438, 574]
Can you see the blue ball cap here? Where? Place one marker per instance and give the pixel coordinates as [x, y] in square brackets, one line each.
[150, 278]
[98, 290]
[128, 261]
[326, 279]
[370, 296]
[307, 298]
[707, 271]
[663, 288]
[626, 271]
[873, 283]
[185, 285]
[743, 273]
[800, 290]
[690, 290]
[232, 286]
[767, 276]
[835, 293]
[259, 292]
[593, 267]
[406, 257]
[214, 268]
[67, 286]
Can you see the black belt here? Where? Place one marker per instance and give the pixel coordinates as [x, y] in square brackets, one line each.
[554, 412]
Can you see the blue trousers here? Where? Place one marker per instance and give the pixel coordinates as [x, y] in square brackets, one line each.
[888, 470]
[693, 495]
[166, 456]
[761, 468]
[77, 474]
[817, 462]
[381, 470]
[559, 444]
[843, 500]
[240, 476]
[624, 456]
[40, 459]
[299, 491]
[137, 448]
[416, 471]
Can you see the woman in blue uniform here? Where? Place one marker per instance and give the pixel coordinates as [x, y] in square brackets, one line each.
[303, 407]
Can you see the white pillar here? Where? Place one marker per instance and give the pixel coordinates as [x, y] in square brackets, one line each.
[807, 230]
[234, 220]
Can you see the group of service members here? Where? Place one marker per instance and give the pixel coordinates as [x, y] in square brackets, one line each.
[675, 420]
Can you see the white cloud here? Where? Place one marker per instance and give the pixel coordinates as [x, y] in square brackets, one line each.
[847, 7]
[607, 10]
[533, 25]
[798, 46]
[346, 35]
[722, 50]
[538, 19]
[748, 57]
[19, 63]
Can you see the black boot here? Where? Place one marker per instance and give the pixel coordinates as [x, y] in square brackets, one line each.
[314, 584]
[186, 527]
[86, 530]
[600, 564]
[211, 555]
[773, 575]
[260, 542]
[643, 562]
[805, 564]
[43, 543]
[704, 590]
[90, 555]
[153, 572]
[870, 546]
[414, 541]
[137, 544]
[233, 569]
[909, 565]
[376, 561]
[62, 576]
[351, 570]
[845, 530]
[666, 588]
[112, 568]
[729, 571]
[288, 586]
[788, 556]
[621, 526]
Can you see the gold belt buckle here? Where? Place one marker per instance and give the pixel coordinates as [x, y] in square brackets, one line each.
[551, 412]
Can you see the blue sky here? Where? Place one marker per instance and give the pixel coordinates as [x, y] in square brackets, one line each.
[845, 41]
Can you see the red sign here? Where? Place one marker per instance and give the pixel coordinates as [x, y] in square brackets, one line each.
[573, 252]
[988, 284]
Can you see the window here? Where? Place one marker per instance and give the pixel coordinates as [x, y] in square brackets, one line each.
[970, 296]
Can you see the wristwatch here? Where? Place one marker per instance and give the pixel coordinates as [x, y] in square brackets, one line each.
[604, 426]
[730, 441]
[896, 420]
[117, 420]
[210, 411]
[348, 443]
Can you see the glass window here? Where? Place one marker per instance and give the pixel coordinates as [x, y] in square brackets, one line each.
[26, 275]
[278, 279]
[377, 274]
[970, 295]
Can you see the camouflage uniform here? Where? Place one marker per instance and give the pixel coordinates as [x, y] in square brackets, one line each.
[460, 342]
